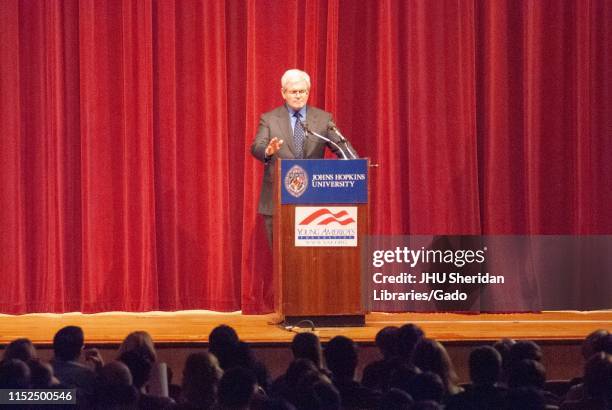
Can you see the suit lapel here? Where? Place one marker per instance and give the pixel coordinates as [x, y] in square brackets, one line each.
[313, 123]
[285, 127]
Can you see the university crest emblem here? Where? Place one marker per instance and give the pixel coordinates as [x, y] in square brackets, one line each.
[296, 181]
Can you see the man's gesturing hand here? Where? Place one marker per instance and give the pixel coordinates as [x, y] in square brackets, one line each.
[273, 146]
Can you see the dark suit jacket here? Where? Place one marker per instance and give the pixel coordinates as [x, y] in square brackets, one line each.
[276, 123]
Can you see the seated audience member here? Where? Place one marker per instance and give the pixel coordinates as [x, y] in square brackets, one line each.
[503, 346]
[244, 357]
[306, 345]
[42, 375]
[395, 399]
[402, 376]
[430, 355]
[114, 388]
[315, 390]
[326, 395]
[14, 374]
[409, 335]
[201, 377]
[21, 349]
[140, 365]
[427, 386]
[596, 390]
[603, 344]
[484, 392]
[286, 386]
[140, 341]
[531, 374]
[341, 358]
[231, 352]
[67, 348]
[526, 398]
[237, 389]
[524, 350]
[377, 374]
[223, 342]
[597, 341]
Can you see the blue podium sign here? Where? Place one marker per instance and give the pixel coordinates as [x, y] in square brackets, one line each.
[324, 181]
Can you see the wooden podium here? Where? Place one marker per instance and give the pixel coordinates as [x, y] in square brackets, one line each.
[320, 223]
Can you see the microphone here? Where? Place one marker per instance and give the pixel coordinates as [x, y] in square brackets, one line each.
[309, 131]
[332, 126]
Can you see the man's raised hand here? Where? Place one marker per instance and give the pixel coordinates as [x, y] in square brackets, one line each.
[273, 146]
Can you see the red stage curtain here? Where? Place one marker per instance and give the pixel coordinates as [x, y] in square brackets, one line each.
[126, 178]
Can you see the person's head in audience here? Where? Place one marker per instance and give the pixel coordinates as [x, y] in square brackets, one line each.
[14, 374]
[223, 342]
[527, 373]
[140, 366]
[68, 343]
[387, 341]
[201, 376]
[114, 389]
[21, 349]
[140, 341]
[598, 376]
[503, 346]
[525, 398]
[427, 386]
[307, 346]
[395, 399]
[603, 344]
[408, 337]
[115, 373]
[590, 342]
[341, 357]
[524, 350]
[485, 365]
[41, 375]
[237, 388]
[430, 355]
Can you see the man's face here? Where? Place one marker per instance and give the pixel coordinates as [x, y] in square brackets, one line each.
[296, 94]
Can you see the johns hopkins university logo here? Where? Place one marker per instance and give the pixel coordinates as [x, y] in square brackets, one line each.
[296, 181]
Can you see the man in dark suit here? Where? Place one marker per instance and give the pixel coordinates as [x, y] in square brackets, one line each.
[288, 132]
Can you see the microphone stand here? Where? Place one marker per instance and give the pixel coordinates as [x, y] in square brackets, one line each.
[335, 129]
[309, 131]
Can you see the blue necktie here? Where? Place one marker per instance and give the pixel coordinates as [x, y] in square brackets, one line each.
[298, 136]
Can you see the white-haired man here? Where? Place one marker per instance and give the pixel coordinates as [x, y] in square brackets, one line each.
[281, 134]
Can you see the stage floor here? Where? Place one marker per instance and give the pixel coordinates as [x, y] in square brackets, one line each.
[193, 327]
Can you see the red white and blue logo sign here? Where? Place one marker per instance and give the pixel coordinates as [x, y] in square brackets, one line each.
[326, 226]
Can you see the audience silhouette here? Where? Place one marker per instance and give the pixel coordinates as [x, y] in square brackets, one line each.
[414, 372]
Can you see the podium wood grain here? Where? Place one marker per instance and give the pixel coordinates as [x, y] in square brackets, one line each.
[315, 281]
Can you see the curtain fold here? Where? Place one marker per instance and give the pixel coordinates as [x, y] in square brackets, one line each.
[126, 176]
